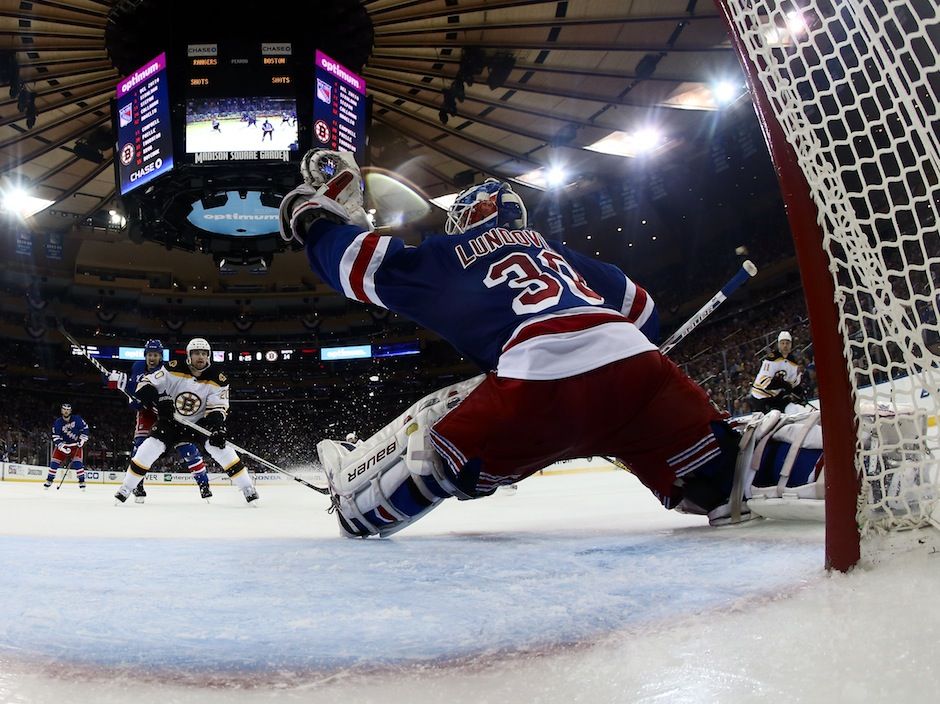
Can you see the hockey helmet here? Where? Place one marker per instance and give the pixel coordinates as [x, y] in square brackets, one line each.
[66, 409]
[352, 437]
[153, 346]
[198, 343]
[490, 204]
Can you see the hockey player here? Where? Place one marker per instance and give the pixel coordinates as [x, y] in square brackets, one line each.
[147, 417]
[197, 391]
[69, 435]
[779, 375]
[267, 130]
[568, 371]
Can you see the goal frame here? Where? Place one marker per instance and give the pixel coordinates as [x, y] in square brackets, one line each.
[837, 409]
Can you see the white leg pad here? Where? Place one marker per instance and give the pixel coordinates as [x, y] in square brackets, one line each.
[395, 477]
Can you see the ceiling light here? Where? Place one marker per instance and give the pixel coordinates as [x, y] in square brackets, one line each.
[629, 144]
[724, 92]
[17, 201]
[545, 178]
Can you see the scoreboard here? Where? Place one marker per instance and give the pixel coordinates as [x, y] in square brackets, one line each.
[241, 102]
[234, 101]
[144, 148]
[338, 107]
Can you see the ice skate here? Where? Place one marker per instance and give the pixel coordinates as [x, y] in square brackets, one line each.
[251, 494]
[121, 495]
[139, 493]
[206, 493]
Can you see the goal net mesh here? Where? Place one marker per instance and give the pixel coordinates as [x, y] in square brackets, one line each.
[855, 86]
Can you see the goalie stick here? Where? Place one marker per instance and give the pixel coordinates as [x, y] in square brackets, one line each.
[746, 271]
[183, 421]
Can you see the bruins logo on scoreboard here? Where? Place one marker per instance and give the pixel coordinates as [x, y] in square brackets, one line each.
[187, 403]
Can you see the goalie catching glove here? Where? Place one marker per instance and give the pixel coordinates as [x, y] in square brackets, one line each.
[332, 189]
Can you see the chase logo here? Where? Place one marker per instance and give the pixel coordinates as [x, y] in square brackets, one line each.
[202, 50]
[276, 49]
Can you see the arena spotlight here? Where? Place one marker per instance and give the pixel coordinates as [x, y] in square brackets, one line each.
[724, 92]
[556, 176]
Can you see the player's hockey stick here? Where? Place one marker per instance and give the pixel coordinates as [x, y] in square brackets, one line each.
[98, 365]
[242, 451]
[180, 419]
[61, 479]
[746, 271]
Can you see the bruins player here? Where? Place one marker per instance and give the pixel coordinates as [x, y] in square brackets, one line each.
[198, 392]
[779, 375]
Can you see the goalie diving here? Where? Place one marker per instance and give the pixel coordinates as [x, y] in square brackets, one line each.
[567, 348]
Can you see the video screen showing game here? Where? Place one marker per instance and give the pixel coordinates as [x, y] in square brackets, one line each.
[238, 125]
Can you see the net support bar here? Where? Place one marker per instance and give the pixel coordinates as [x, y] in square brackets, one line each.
[838, 418]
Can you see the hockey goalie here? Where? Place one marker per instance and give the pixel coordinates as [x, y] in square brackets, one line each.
[565, 342]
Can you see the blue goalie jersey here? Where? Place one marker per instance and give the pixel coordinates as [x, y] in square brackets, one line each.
[509, 300]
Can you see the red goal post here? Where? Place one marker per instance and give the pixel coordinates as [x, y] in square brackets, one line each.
[846, 92]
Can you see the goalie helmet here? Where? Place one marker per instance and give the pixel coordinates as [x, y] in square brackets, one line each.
[198, 343]
[490, 204]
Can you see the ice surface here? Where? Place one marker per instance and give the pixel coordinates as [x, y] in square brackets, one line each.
[576, 588]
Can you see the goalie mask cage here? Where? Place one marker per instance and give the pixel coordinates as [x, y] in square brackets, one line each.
[848, 96]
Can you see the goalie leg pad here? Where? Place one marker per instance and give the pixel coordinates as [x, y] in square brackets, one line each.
[395, 477]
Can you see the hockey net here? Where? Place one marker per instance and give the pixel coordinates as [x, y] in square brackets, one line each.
[854, 86]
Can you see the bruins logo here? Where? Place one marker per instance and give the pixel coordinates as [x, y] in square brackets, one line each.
[172, 364]
[187, 403]
[222, 378]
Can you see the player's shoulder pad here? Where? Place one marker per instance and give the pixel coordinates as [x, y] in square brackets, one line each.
[216, 374]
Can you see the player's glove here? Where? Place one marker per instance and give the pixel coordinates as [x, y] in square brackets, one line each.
[117, 380]
[165, 409]
[82, 441]
[63, 448]
[217, 439]
[778, 382]
[330, 175]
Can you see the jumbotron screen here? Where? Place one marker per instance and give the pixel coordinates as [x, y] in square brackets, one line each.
[241, 102]
[144, 146]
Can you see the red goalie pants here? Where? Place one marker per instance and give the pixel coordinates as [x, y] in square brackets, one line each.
[642, 409]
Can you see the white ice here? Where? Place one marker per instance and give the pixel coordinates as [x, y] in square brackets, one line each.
[578, 588]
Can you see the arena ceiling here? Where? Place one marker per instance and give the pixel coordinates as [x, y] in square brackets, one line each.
[573, 73]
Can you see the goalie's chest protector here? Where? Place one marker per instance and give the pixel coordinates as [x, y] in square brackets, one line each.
[489, 294]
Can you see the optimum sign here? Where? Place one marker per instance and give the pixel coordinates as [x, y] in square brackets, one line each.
[238, 217]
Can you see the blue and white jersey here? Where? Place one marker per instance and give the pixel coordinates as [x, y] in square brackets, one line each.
[509, 300]
[69, 432]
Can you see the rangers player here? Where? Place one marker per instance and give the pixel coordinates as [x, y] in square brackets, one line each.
[568, 371]
[69, 435]
[199, 392]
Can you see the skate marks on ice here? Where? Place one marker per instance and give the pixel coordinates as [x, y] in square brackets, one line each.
[198, 610]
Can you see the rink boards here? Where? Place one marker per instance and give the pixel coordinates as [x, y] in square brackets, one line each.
[17, 472]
